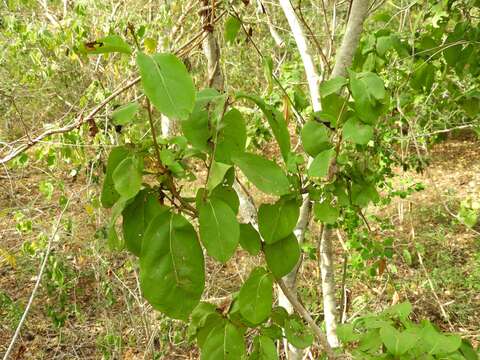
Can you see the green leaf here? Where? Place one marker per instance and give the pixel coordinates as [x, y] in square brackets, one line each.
[315, 137]
[279, 315]
[225, 342]
[250, 239]
[276, 121]
[211, 322]
[263, 349]
[136, 217]
[227, 195]
[401, 310]
[357, 132]
[114, 242]
[127, 176]
[367, 86]
[199, 317]
[232, 136]
[167, 84]
[266, 175]
[332, 86]
[232, 25]
[298, 334]
[277, 221]
[196, 130]
[172, 273]
[256, 296]
[124, 114]
[217, 173]
[423, 77]
[219, 229]
[346, 333]
[109, 195]
[397, 343]
[282, 256]
[467, 350]
[108, 44]
[325, 212]
[363, 194]
[334, 109]
[320, 164]
[384, 43]
[434, 343]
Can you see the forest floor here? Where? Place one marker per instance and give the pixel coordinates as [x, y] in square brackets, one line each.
[89, 304]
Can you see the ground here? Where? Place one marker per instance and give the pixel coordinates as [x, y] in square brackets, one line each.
[89, 305]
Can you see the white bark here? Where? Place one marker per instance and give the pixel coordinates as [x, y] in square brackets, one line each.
[350, 40]
[313, 81]
[212, 53]
[310, 70]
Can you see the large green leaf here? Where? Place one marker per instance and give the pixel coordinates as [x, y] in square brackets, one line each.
[276, 121]
[256, 296]
[398, 343]
[321, 163]
[172, 274]
[232, 136]
[357, 131]
[167, 84]
[263, 349]
[277, 221]
[225, 342]
[219, 229]
[109, 194]
[228, 195]
[264, 174]
[127, 177]
[282, 256]
[108, 44]
[250, 239]
[315, 137]
[136, 217]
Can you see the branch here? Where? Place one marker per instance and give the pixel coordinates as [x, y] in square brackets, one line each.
[80, 120]
[297, 305]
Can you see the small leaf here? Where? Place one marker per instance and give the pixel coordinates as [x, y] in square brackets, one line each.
[297, 334]
[325, 212]
[109, 195]
[199, 317]
[196, 130]
[232, 25]
[136, 218]
[263, 349]
[315, 137]
[276, 121]
[219, 229]
[217, 173]
[108, 44]
[277, 221]
[250, 239]
[172, 273]
[225, 342]
[397, 343]
[127, 177]
[332, 86]
[320, 164]
[282, 256]
[256, 296]
[124, 114]
[358, 132]
[227, 195]
[167, 84]
[264, 174]
[232, 136]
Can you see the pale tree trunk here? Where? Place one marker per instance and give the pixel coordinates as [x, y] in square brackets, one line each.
[343, 61]
[313, 81]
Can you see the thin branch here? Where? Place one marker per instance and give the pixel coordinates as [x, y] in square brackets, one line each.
[300, 309]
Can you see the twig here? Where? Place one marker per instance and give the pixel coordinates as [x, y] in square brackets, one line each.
[307, 317]
[37, 283]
